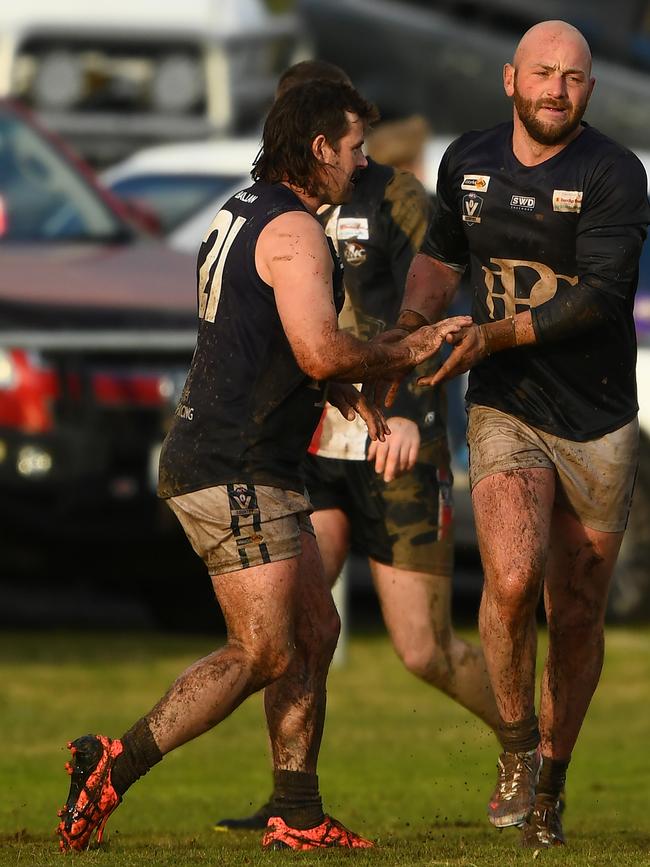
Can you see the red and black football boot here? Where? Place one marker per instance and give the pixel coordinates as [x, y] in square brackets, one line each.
[329, 834]
[91, 798]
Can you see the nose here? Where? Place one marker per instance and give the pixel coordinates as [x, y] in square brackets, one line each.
[362, 162]
[557, 86]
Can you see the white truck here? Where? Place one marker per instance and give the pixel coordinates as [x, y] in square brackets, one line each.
[113, 77]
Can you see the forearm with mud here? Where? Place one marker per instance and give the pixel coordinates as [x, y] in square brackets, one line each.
[353, 360]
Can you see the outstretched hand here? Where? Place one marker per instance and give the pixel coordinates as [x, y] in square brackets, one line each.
[468, 350]
[399, 452]
[423, 343]
[350, 402]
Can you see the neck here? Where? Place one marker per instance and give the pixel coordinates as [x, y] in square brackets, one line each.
[529, 151]
[312, 203]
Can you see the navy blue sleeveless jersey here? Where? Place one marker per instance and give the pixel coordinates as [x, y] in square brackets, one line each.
[527, 233]
[247, 411]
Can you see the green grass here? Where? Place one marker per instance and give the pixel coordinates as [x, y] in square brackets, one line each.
[399, 763]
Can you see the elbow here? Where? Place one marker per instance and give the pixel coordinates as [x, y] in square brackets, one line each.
[316, 368]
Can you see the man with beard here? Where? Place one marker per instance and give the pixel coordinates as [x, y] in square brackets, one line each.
[390, 501]
[268, 339]
[548, 217]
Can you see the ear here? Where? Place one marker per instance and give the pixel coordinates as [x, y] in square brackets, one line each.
[509, 79]
[592, 82]
[318, 147]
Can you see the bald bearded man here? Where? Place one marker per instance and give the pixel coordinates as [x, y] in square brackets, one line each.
[548, 217]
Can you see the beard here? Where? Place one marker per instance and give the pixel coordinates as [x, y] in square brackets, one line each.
[548, 133]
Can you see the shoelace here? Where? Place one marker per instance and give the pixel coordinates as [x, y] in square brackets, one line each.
[509, 781]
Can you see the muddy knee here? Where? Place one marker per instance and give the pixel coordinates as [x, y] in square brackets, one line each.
[515, 594]
[268, 660]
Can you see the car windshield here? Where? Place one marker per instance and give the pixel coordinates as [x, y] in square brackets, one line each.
[42, 196]
[173, 198]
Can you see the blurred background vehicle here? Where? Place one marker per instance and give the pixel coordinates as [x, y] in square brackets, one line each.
[177, 181]
[97, 329]
[116, 76]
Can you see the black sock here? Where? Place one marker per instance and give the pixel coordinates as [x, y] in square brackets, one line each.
[551, 779]
[297, 799]
[139, 755]
[520, 736]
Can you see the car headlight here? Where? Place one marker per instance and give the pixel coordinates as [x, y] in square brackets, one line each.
[33, 461]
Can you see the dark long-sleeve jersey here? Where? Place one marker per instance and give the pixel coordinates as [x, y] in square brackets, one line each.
[566, 232]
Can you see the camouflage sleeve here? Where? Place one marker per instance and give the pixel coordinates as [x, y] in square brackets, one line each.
[407, 211]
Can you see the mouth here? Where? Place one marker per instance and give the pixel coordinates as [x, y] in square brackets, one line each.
[557, 110]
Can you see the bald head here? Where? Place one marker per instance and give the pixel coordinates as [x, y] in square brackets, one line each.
[550, 83]
[554, 39]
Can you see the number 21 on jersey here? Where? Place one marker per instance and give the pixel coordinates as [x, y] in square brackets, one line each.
[210, 289]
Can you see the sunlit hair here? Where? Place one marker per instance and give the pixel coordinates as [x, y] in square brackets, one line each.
[302, 113]
[308, 70]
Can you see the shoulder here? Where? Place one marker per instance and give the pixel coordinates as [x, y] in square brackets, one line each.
[291, 226]
[405, 194]
[370, 186]
[611, 161]
[478, 140]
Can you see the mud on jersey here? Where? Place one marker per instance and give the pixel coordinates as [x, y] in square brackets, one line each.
[377, 234]
[247, 412]
[527, 233]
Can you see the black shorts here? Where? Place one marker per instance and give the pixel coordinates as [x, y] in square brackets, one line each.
[407, 523]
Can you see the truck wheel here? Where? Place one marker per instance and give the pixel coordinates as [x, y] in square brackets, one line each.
[629, 598]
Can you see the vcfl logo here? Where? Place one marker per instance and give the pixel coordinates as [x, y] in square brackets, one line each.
[542, 290]
[522, 203]
[472, 205]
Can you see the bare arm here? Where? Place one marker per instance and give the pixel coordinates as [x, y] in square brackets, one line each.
[293, 257]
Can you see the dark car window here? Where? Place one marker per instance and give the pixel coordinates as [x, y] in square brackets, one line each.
[173, 198]
[42, 198]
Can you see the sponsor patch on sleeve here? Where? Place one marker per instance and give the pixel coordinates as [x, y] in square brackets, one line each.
[475, 182]
[567, 200]
[352, 227]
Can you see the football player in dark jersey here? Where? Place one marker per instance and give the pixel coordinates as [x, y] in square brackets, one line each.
[391, 499]
[268, 338]
[548, 217]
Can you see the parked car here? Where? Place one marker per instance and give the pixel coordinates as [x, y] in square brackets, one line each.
[97, 328]
[177, 181]
[126, 74]
[184, 184]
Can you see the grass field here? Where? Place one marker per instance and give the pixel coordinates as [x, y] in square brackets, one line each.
[400, 763]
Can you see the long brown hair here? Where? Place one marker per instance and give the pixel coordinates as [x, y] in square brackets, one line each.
[297, 117]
